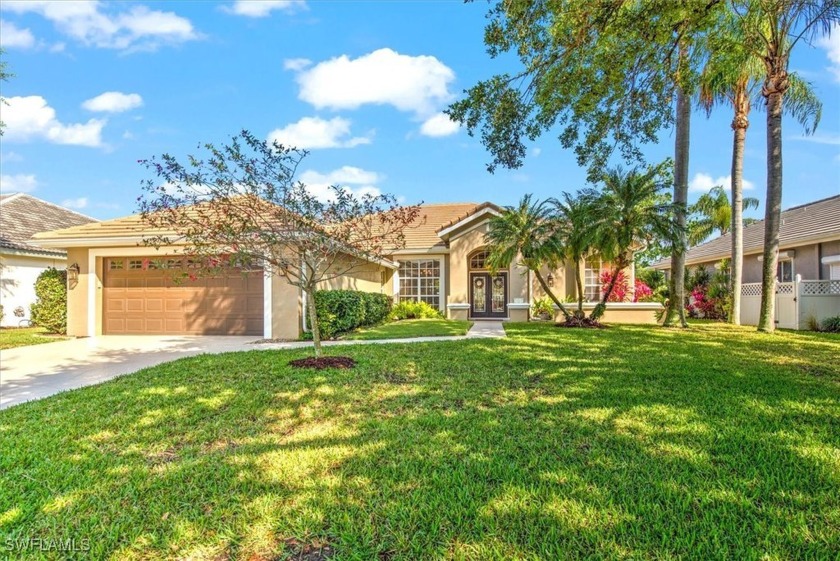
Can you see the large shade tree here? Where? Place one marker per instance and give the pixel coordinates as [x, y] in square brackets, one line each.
[771, 29]
[607, 73]
[240, 203]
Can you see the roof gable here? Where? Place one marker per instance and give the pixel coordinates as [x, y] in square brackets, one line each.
[22, 216]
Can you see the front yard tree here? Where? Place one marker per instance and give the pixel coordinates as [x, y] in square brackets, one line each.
[608, 73]
[771, 29]
[241, 202]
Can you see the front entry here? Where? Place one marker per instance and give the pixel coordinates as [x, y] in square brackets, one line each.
[488, 295]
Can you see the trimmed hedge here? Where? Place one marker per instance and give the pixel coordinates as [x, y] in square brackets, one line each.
[50, 308]
[340, 311]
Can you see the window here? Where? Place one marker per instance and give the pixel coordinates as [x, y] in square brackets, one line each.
[592, 280]
[116, 264]
[135, 264]
[834, 272]
[420, 281]
[784, 270]
[479, 260]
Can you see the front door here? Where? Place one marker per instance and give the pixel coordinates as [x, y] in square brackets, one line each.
[488, 295]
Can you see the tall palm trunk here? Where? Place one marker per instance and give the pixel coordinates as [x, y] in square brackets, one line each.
[676, 304]
[774, 90]
[579, 284]
[601, 308]
[740, 123]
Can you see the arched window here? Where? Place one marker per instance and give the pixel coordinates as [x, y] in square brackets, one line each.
[478, 260]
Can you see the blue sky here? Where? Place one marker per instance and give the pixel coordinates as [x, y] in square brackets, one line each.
[99, 86]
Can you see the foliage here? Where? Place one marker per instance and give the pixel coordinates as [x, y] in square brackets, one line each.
[621, 288]
[4, 76]
[50, 307]
[414, 309]
[238, 454]
[831, 325]
[654, 278]
[712, 213]
[543, 308]
[412, 328]
[340, 311]
[242, 199]
[711, 294]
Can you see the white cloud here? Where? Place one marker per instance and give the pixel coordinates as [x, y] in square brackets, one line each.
[418, 84]
[30, 117]
[358, 181]
[81, 202]
[19, 183]
[137, 28]
[10, 156]
[831, 139]
[704, 182]
[439, 125]
[12, 36]
[263, 8]
[831, 44]
[536, 151]
[296, 64]
[314, 132]
[113, 102]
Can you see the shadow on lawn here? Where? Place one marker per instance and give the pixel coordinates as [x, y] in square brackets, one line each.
[549, 444]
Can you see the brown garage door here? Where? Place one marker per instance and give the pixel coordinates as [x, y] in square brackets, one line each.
[143, 296]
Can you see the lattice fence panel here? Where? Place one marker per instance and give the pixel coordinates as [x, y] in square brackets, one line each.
[784, 288]
[820, 288]
[751, 289]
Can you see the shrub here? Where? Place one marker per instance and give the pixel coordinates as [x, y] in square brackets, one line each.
[340, 311]
[543, 308]
[831, 325]
[641, 293]
[410, 309]
[50, 308]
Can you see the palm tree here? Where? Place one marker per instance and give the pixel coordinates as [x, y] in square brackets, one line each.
[527, 231]
[573, 218]
[627, 215]
[732, 76]
[770, 30]
[713, 214]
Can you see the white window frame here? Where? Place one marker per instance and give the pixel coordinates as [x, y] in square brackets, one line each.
[417, 295]
[586, 278]
[779, 270]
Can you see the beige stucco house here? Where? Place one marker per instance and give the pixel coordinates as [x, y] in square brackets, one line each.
[21, 216]
[120, 290]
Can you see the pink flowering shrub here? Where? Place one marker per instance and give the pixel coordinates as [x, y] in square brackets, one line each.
[621, 290]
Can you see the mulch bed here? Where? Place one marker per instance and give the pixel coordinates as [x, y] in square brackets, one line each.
[581, 322]
[320, 363]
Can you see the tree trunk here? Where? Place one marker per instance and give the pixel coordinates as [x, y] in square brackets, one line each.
[550, 294]
[601, 308]
[676, 303]
[313, 321]
[579, 284]
[774, 94]
[739, 128]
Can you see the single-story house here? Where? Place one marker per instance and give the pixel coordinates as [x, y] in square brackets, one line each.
[808, 273]
[21, 262]
[119, 290]
[809, 245]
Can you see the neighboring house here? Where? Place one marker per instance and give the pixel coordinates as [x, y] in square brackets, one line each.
[126, 287]
[809, 262]
[21, 216]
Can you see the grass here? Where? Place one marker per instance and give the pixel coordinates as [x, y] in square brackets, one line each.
[625, 443]
[11, 337]
[412, 328]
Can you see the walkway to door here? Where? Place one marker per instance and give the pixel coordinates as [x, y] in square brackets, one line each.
[486, 329]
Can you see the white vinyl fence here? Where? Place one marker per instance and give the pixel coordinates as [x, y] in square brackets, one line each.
[796, 302]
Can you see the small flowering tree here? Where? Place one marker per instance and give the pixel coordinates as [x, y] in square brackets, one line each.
[242, 205]
[621, 291]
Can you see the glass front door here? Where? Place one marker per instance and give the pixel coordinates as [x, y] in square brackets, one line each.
[488, 295]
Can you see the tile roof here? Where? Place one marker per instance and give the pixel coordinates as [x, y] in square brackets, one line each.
[819, 220]
[22, 216]
[435, 217]
[420, 235]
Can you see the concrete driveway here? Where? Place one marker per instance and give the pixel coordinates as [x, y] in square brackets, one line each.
[41, 370]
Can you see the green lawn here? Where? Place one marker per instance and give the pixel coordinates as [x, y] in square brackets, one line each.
[625, 443]
[11, 337]
[412, 328]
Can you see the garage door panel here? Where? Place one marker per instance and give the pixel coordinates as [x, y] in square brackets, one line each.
[157, 301]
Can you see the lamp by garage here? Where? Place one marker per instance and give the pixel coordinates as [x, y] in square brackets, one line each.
[73, 272]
